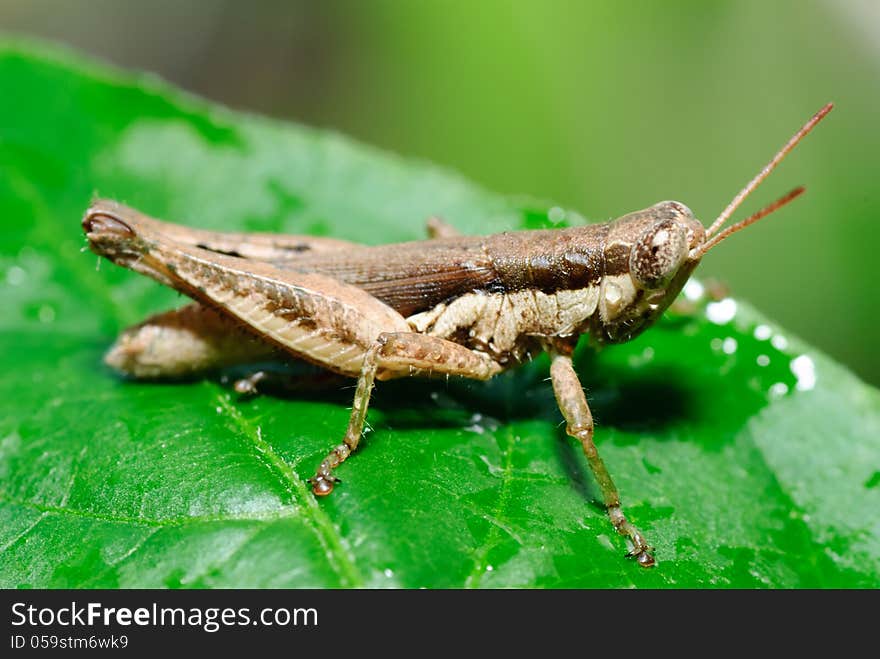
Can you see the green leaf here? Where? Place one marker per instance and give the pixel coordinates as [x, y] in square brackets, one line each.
[747, 458]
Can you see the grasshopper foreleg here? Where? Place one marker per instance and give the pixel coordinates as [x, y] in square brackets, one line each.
[397, 354]
[579, 424]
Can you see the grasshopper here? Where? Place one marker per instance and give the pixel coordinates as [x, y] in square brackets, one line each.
[450, 305]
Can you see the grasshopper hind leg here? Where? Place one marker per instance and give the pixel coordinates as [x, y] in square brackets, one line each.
[186, 342]
[398, 354]
[323, 481]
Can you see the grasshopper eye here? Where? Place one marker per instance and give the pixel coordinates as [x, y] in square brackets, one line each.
[658, 254]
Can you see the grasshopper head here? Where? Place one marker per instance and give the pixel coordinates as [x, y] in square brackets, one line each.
[647, 262]
[660, 243]
[650, 254]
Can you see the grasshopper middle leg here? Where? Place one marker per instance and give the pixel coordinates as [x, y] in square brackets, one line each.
[396, 354]
[438, 228]
[579, 424]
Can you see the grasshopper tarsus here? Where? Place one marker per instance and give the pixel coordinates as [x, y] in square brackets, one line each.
[641, 551]
[452, 305]
[249, 386]
[323, 485]
[645, 557]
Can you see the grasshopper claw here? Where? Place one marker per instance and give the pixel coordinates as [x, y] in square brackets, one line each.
[641, 551]
[322, 484]
[248, 386]
[643, 556]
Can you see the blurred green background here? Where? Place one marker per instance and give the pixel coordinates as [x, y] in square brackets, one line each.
[604, 107]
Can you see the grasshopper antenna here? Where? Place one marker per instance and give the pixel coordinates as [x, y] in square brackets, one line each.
[755, 182]
[751, 219]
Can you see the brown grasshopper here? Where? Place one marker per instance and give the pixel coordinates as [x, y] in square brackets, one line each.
[451, 305]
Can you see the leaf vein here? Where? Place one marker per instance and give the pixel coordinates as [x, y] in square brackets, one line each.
[337, 553]
[169, 522]
[492, 536]
[21, 536]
